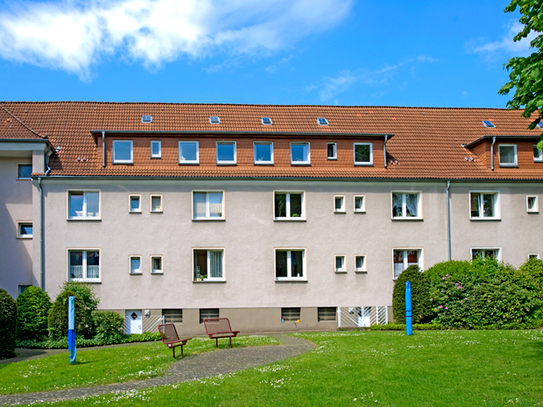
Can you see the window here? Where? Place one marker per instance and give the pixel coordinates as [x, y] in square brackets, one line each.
[134, 203]
[359, 203]
[208, 264]
[493, 253]
[188, 152]
[156, 150]
[156, 203]
[156, 265]
[290, 314]
[404, 258]
[24, 171]
[488, 124]
[340, 265]
[263, 151]
[484, 205]
[508, 155]
[214, 120]
[146, 118]
[266, 121]
[363, 154]
[122, 152]
[172, 315]
[360, 263]
[289, 206]
[331, 151]
[533, 256]
[22, 287]
[322, 121]
[290, 264]
[84, 265]
[83, 205]
[208, 313]
[24, 230]
[406, 205]
[326, 314]
[207, 205]
[538, 154]
[226, 152]
[339, 203]
[135, 264]
[532, 204]
[299, 154]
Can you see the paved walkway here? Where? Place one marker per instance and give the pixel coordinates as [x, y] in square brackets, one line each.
[207, 364]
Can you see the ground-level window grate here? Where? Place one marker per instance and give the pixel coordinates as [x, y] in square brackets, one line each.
[208, 313]
[327, 313]
[172, 315]
[290, 314]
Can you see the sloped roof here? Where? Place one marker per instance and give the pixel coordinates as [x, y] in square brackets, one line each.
[11, 128]
[427, 143]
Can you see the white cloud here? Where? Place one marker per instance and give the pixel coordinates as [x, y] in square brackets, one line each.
[505, 44]
[74, 35]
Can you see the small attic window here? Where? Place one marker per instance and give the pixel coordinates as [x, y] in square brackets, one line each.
[540, 125]
[322, 121]
[488, 124]
[146, 118]
[266, 121]
[214, 120]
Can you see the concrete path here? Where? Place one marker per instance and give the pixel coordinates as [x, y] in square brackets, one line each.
[207, 364]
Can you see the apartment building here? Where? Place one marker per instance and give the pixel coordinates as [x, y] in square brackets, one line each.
[278, 217]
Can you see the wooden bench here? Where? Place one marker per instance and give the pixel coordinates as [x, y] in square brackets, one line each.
[219, 328]
[171, 339]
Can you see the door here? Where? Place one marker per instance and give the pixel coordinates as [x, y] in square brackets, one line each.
[363, 316]
[133, 321]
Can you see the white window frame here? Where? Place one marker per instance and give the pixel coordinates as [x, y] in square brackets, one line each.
[308, 159]
[130, 210]
[19, 165]
[341, 209]
[85, 192]
[159, 154]
[532, 255]
[364, 268]
[208, 217]
[322, 121]
[263, 162]
[535, 208]
[539, 157]
[363, 163]
[156, 271]
[343, 267]
[499, 249]
[497, 211]
[139, 271]
[287, 210]
[420, 258]
[183, 160]
[289, 251]
[515, 164]
[119, 161]
[21, 235]
[208, 250]
[151, 203]
[334, 148]
[404, 205]
[226, 162]
[363, 208]
[85, 270]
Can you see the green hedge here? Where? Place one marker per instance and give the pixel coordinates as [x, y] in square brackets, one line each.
[8, 325]
[108, 326]
[420, 296]
[32, 310]
[62, 343]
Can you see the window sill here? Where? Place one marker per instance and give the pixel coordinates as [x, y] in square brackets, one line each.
[227, 163]
[208, 219]
[24, 237]
[509, 166]
[263, 163]
[289, 219]
[83, 280]
[135, 212]
[331, 159]
[291, 280]
[136, 274]
[361, 212]
[340, 212]
[300, 163]
[363, 164]
[207, 281]
[484, 219]
[23, 179]
[123, 163]
[532, 212]
[189, 163]
[84, 219]
[361, 271]
[340, 271]
[408, 219]
[159, 273]
[156, 211]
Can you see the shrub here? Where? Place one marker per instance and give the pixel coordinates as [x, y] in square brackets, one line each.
[420, 296]
[533, 269]
[8, 321]
[91, 304]
[32, 309]
[58, 315]
[109, 326]
[453, 268]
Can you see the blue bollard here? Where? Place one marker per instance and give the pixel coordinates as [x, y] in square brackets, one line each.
[408, 313]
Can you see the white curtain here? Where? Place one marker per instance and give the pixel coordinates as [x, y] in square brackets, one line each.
[215, 264]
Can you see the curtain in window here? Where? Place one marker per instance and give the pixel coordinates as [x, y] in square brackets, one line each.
[199, 204]
[488, 202]
[397, 205]
[280, 205]
[475, 204]
[411, 205]
[215, 264]
[398, 262]
[215, 204]
[76, 264]
[93, 265]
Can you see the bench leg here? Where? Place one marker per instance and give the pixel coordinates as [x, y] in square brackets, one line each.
[173, 350]
[230, 341]
[217, 342]
[181, 350]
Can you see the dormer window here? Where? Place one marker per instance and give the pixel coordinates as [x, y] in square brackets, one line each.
[508, 155]
[122, 151]
[214, 120]
[146, 118]
[540, 125]
[488, 124]
[538, 156]
[266, 121]
[322, 121]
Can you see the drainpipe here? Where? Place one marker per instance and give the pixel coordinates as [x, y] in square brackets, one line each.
[449, 218]
[385, 149]
[42, 232]
[492, 153]
[103, 149]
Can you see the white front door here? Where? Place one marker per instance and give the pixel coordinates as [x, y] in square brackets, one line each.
[133, 321]
[363, 316]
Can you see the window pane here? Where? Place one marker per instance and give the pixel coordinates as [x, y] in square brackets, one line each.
[411, 205]
[155, 148]
[475, 205]
[200, 264]
[263, 152]
[76, 264]
[156, 264]
[296, 264]
[215, 263]
[299, 152]
[359, 262]
[537, 153]
[339, 203]
[76, 204]
[199, 205]
[531, 203]
[488, 202]
[296, 205]
[280, 205]
[24, 171]
[362, 153]
[412, 257]
[339, 262]
[93, 204]
[397, 205]
[215, 204]
[398, 262]
[25, 229]
[280, 264]
[156, 203]
[122, 151]
[225, 152]
[93, 264]
[135, 265]
[358, 203]
[331, 150]
[188, 151]
[134, 203]
[507, 155]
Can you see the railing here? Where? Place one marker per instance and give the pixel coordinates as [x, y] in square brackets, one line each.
[148, 324]
[360, 317]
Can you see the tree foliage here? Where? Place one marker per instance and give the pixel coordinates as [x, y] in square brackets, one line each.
[32, 309]
[8, 318]
[526, 73]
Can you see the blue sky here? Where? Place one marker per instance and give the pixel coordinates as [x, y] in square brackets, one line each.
[344, 52]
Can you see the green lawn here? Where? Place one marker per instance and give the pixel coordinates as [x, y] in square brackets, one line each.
[432, 368]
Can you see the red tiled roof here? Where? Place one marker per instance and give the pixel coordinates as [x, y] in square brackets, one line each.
[427, 143]
[12, 128]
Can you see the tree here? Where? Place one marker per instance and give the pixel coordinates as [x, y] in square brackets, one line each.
[420, 296]
[526, 73]
[32, 309]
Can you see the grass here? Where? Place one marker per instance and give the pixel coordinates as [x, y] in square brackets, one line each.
[433, 368]
[104, 366]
